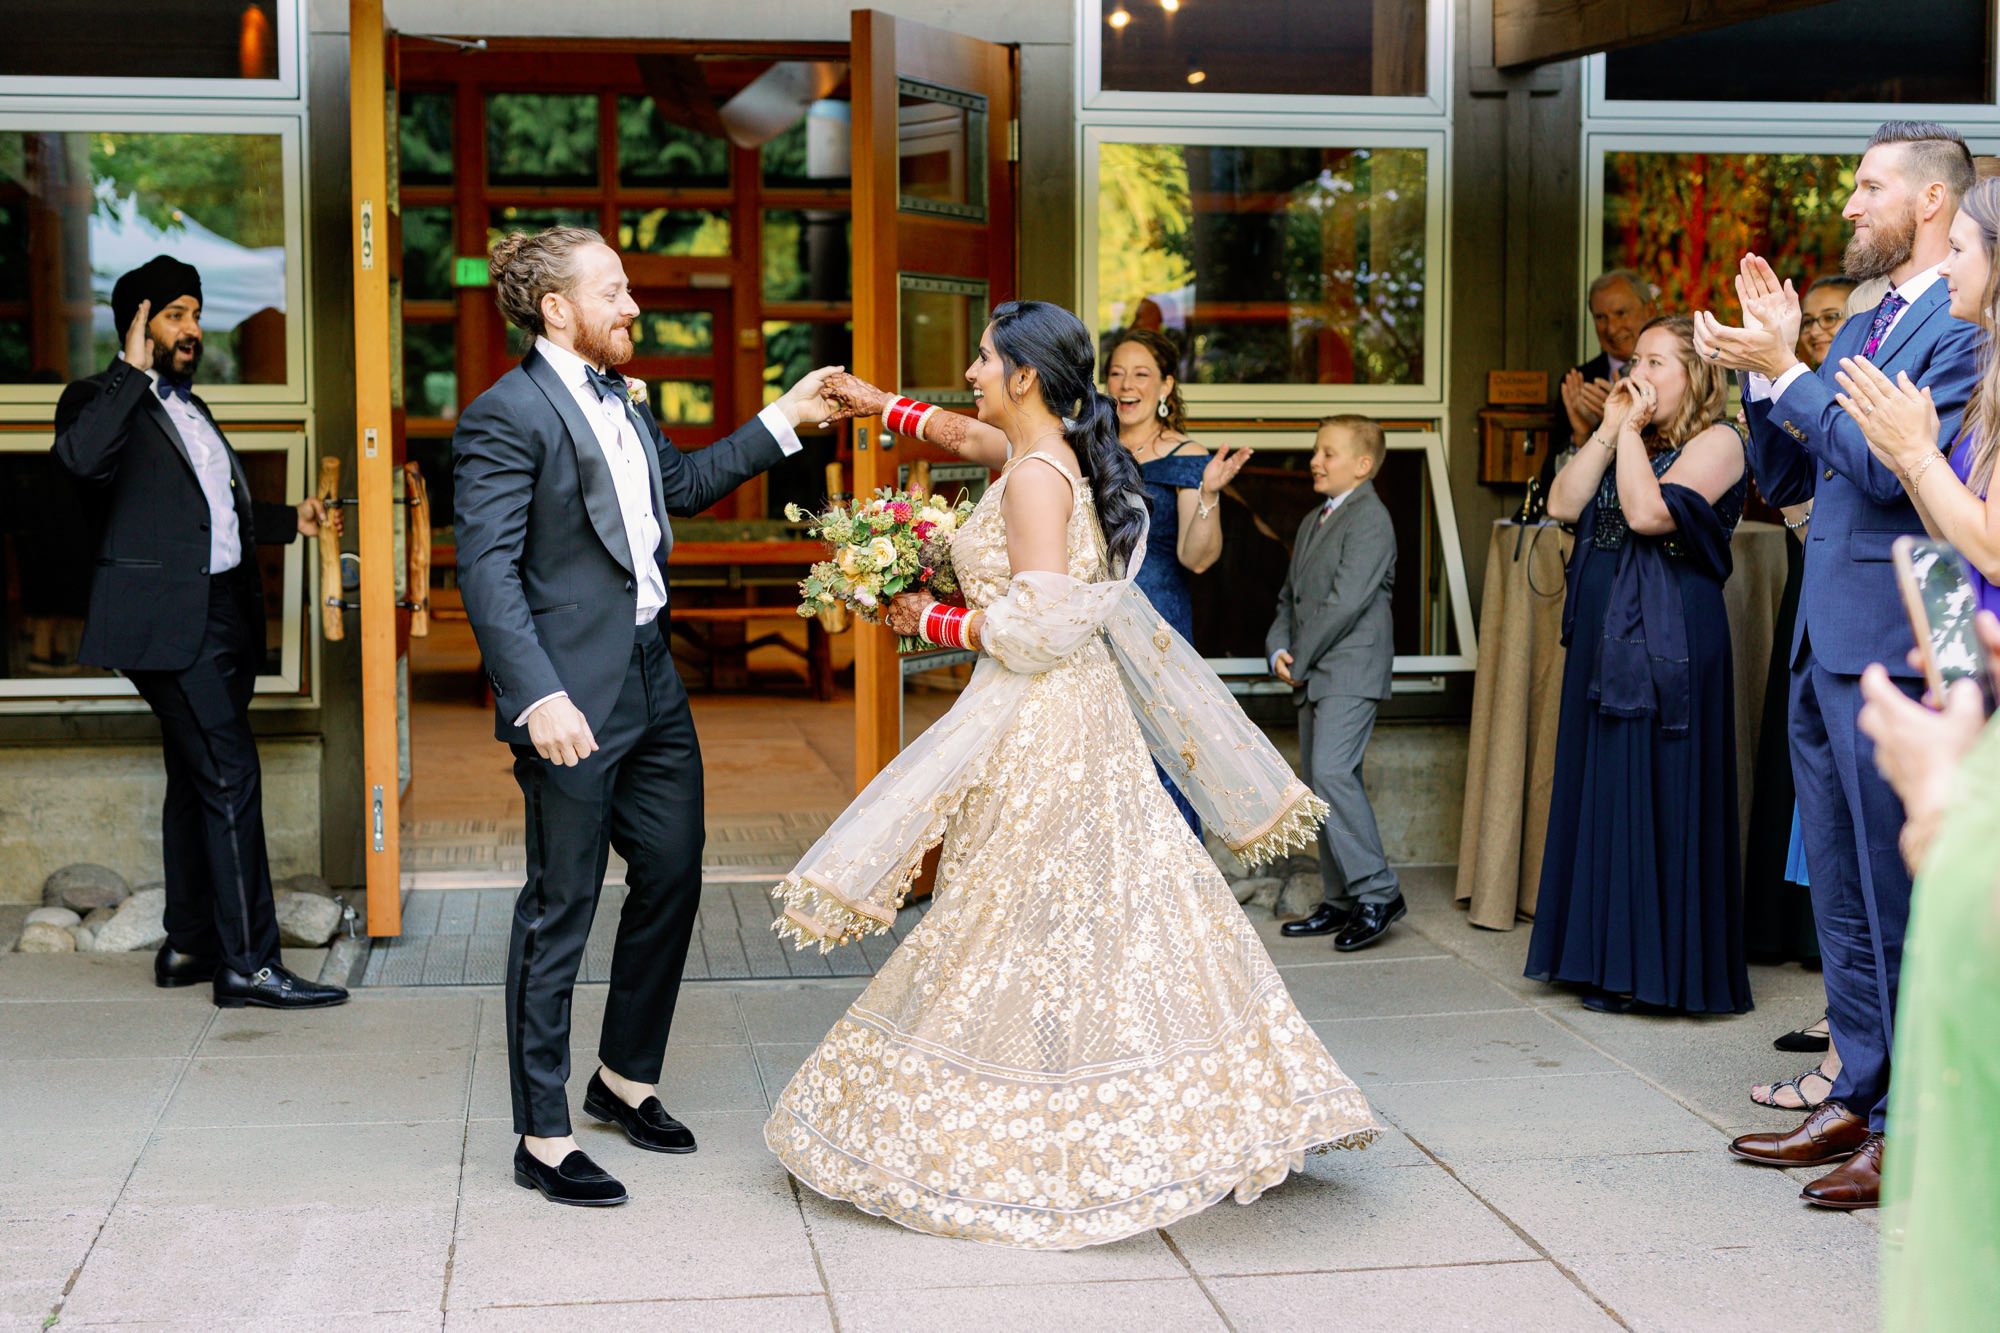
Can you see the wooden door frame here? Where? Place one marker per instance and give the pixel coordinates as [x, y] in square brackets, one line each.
[374, 517]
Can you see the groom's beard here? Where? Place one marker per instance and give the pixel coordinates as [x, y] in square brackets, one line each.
[1882, 249]
[607, 346]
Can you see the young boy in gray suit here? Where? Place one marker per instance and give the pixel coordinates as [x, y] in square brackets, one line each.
[1332, 643]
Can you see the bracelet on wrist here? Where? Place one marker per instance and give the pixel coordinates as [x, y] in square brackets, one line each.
[946, 625]
[1203, 506]
[1916, 474]
[906, 416]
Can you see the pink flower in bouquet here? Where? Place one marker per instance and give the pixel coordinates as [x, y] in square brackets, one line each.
[899, 510]
[924, 531]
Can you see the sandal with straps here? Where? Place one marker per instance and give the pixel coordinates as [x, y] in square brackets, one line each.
[1807, 1102]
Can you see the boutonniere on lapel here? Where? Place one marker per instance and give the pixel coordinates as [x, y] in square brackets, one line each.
[635, 390]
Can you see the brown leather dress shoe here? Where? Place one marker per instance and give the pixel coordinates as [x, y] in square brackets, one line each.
[1830, 1134]
[1853, 1185]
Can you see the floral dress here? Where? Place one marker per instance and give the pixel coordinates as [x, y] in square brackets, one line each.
[1084, 1038]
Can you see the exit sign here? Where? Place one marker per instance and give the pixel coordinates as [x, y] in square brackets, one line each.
[471, 271]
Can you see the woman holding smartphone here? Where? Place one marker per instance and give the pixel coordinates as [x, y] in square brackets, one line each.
[1949, 481]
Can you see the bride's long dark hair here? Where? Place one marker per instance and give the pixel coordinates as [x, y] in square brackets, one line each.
[1056, 345]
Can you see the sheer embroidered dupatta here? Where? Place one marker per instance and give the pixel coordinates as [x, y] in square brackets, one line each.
[855, 877]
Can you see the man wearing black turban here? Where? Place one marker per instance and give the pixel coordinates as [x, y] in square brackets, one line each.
[176, 604]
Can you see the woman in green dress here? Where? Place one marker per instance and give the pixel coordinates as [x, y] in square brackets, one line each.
[1941, 1224]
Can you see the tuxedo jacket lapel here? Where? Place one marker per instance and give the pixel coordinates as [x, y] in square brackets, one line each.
[651, 442]
[600, 493]
[159, 417]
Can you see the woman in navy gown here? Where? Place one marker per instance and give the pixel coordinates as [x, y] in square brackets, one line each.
[1183, 483]
[1641, 897]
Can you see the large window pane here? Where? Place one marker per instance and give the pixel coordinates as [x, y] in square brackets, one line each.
[816, 151]
[653, 152]
[1352, 48]
[1912, 52]
[938, 325]
[430, 370]
[424, 125]
[79, 209]
[674, 333]
[941, 151]
[683, 402]
[427, 254]
[503, 220]
[693, 233]
[793, 349]
[1269, 265]
[142, 39]
[1683, 220]
[541, 139]
[806, 255]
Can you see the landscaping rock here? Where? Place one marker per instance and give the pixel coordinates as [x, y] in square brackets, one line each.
[139, 924]
[99, 916]
[306, 920]
[1249, 890]
[41, 937]
[84, 938]
[312, 884]
[84, 886]
[1302, 893]
[52, 916]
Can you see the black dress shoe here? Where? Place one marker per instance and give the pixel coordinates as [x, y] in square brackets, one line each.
[1323, 920]
[273, 987]
[173, 968]
[647, 1124]
[579, 1181]
[1370, 922]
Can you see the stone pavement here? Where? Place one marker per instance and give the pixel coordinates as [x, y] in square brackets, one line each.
[1548, 1169]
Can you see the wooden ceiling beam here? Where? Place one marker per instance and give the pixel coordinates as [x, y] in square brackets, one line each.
[1536, 32]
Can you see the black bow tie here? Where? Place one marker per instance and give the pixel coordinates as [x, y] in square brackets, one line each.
[608, 383]
[173, 388]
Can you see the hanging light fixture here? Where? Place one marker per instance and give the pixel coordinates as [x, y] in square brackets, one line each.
[1118, 18]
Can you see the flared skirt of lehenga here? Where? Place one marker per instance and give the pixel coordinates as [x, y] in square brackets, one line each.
[1084, 1038]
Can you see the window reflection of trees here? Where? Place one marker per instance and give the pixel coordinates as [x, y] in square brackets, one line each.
[1273, 265]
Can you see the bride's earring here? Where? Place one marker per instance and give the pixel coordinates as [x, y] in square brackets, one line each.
[1163, 409]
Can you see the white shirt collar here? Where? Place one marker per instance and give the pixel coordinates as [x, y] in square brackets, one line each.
[570, 368]
[1918, 285]
[1333, 502]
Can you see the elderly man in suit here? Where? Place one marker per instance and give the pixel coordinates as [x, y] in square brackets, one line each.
[1621, 304]
[176, 604]
[1332, 642]
[1803, 447]
[563, 490]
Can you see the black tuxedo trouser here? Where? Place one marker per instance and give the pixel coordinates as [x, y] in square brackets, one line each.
[218, 875]
[641, 794]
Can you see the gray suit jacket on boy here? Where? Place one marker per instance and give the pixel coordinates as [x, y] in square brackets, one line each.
[1333, 612]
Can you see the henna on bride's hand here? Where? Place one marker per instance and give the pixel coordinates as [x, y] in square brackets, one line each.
[946, 430]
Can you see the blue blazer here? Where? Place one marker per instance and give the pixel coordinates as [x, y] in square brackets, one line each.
[1804, 447]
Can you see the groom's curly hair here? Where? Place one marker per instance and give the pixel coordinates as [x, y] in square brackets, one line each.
[528, 266]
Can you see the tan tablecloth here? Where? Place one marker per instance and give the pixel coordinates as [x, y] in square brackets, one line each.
[1518, 691]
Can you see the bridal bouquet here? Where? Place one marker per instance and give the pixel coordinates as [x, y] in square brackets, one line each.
[893, 542]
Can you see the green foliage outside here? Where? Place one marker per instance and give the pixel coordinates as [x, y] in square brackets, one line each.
[232, 184]
[697, 233]
[653, 152]
[424, 136]
[541, 138]
[427, 254]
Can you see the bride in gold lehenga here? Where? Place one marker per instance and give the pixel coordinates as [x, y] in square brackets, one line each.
[1084, 1038]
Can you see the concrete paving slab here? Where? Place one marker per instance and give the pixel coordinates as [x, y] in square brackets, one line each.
[1393, 988]
[1664, 1203]
[37, 1257]
[57, 978]
[1736, 1290]
[863, 1253]
[372, 1022]
[1349, 1210]
[1507, 1044]
[84, 1096]
[777, 1062]
[704, 1225]
[795, 1011]
[104, 1029]
[1518, 1119]
[359, 1321]
[322, 1089]
[1102, 1307]
[1402, 941]
[239, 1222]
[1528, 1297]
[696, 1080]
[60, 1173]
[1710, 1063]
[765, 1314]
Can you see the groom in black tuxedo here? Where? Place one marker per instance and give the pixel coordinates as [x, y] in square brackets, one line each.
[563, 492]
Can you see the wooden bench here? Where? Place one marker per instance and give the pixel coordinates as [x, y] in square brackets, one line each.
[721, 634]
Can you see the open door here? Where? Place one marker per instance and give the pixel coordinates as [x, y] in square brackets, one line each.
[376, 519]
[934, 128]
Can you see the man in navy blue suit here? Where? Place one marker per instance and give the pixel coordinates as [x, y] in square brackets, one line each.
[1804, 448]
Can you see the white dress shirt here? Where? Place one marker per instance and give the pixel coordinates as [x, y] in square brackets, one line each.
[1762, 388]
[618, 437]
[211, 468]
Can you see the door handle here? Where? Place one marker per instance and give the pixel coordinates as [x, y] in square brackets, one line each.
[332, 623]
[417, 549]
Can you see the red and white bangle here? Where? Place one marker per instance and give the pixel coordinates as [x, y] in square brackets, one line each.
[906, 417]
[946, 625]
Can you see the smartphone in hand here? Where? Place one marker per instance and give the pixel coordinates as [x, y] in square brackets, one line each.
[1938, 595]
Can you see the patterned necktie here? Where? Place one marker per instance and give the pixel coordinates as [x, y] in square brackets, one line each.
[173, 388]
[1325, 512]
[608, 383]
[1885, 315]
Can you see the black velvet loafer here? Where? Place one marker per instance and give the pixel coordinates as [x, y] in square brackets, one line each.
[579, 1182]
[173, 968]
[648, 1125]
